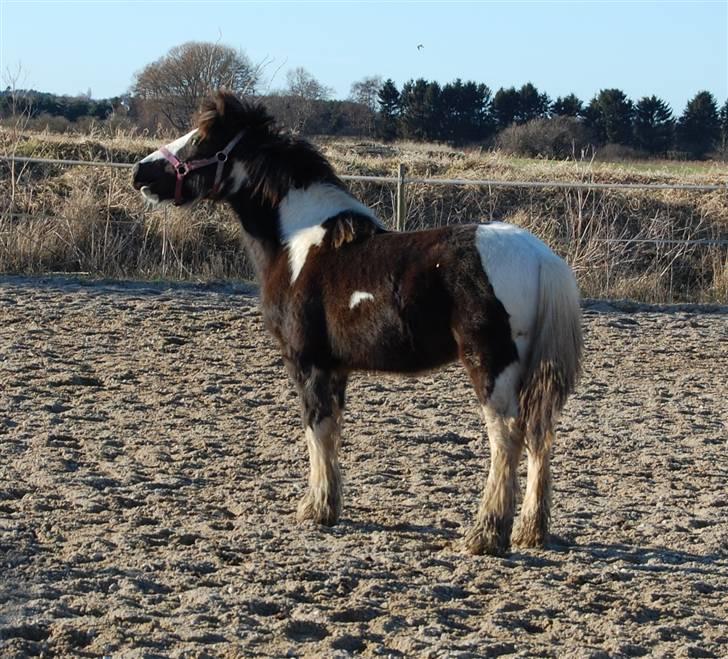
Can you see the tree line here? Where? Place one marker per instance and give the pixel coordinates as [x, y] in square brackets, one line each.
[465, 112]
[165, 93]
[72, 108]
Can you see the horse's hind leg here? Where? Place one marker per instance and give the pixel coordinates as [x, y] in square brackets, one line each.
[491, 533]
[532, 527]
[322, 396]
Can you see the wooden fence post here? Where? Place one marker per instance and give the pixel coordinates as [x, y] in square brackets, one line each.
[401, 210]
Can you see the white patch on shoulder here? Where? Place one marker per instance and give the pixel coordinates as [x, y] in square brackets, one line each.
[173, 147]
[511, 258]
[359, 296]
[298, 247]
[304, 210]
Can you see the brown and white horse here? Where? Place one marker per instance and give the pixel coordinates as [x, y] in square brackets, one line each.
[341, 294]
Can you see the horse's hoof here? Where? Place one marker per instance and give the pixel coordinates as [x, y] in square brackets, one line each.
[480, 540]
[529, 534]
[308, 511]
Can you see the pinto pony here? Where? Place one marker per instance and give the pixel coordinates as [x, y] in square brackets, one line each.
[340, 293]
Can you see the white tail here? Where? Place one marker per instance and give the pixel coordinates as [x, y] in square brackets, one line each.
[554, 362]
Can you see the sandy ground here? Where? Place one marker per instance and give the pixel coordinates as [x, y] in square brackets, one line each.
[151, 461]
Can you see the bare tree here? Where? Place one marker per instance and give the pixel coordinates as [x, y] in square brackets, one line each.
[175, 84]
[302, 83]
[366, 91]
[20, 111]
[304, 93]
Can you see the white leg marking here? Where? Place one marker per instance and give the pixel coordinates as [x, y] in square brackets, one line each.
[505, 450]
[492, 530]
[323, 499]
[504, 397]
[358, 297]
[173, 147]
[322, 443]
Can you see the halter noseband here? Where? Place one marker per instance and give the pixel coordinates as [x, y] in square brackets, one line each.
[183, 168]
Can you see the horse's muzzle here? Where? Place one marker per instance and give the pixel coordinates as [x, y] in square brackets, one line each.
[148, 173]
[136, 179]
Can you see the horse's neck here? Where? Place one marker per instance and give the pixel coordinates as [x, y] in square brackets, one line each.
[260, 232]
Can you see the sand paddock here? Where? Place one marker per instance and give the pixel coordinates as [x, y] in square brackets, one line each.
[151, 459]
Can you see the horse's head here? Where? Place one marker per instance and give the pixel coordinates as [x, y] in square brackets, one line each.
[207, 161]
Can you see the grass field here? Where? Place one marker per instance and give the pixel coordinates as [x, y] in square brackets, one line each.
[78, 219]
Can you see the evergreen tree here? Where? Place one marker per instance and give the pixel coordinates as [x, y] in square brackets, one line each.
[654, 126]
[465, 110]
[699, 127]
[506, 106]
[388, 99]
[567, 106]
[609, 116]
[420, 116]
[434, 110]
[531, 104]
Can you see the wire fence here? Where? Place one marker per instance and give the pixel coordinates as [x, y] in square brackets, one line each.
[429, 181]
[671, 247]
[403, 180]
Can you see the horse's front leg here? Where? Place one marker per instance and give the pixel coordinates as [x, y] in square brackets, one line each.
[322, 398]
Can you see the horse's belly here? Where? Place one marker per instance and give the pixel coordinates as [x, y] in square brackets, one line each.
[397, 347]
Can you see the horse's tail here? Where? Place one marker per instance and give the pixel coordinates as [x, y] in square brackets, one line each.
[554, 362]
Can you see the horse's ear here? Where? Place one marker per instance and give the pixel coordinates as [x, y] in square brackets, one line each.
[220, 108]
[227, 104]
[225, 110]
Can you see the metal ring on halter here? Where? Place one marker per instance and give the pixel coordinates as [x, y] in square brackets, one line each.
[182, 169]
[221, 156]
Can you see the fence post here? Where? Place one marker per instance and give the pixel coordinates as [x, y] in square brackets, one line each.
[401, 210]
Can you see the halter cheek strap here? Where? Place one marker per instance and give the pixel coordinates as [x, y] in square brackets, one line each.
[183, 168]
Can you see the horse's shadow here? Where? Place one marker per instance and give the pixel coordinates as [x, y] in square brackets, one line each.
[646, 559]
[654, 559]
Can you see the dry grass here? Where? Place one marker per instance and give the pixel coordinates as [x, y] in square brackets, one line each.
[79, 219]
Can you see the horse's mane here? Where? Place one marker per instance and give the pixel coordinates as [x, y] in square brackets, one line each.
[275, 161]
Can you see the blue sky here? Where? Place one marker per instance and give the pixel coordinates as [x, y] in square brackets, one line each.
[671, 49]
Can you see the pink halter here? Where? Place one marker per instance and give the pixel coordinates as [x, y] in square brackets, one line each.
[184, 168]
